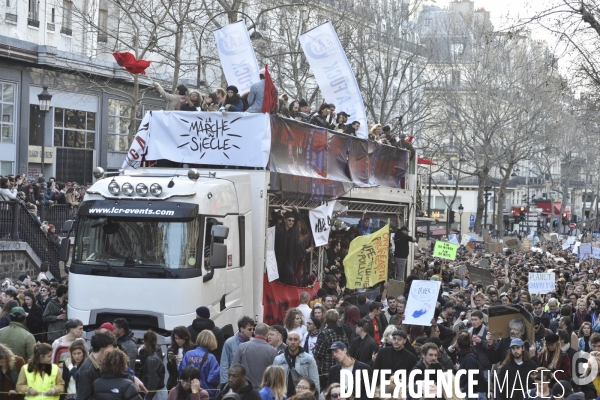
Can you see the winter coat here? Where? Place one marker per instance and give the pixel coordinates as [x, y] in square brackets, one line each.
[247, 392]
[229, 349]
[34, 321]
[172, 100]
[9, 381]
[89, 371]
[515, 372]
[201, 395]
[201, 324]
[209, 369]
[128, 344]
[362, 349]
[56, 327]
[115, 387]
[335, 371]
[153, 372]
[304, 367]
[321, 352]
[395, 360]
[18, 339]
[318, 120]
[255, 355]
[267, 394]
[8, 194]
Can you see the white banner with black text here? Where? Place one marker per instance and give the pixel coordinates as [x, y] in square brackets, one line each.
[235, 139]
[334, 74]
[320, 222]
[237, 56]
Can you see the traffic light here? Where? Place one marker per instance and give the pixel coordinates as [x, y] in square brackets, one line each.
[452, 215]
[564, 219]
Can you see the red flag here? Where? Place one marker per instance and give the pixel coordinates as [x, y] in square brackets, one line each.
[270, 99]
[127, 60]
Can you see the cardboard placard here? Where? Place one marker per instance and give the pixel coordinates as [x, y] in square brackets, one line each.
[512, 243]
[461, 269]
[526, 244]
[484, 263]
[422, 243]
[480, 274]
[500, 316]
[395, 288]
[470, 247]
[498, 247]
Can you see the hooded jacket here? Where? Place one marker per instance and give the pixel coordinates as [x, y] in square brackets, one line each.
[129, 345]
[514, 373]
[321, 351]
[114, 387]
[56, 327]
[247, 392]
[16, 337]
[153, 372]
[202, 324]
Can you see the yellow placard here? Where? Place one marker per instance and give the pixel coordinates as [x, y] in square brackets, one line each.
[367, 261]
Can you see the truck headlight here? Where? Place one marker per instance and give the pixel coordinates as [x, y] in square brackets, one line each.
[141, 189]
[113, 188]
[155, 189]
[127, 189]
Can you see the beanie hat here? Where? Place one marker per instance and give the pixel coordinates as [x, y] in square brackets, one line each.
[108, 326]
[203, 312]
[233, 88]
[302, 103]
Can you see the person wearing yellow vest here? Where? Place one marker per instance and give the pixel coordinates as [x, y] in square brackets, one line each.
[40, 379]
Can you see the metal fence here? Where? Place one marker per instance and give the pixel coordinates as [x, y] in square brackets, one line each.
[56, 214]
[18, 224]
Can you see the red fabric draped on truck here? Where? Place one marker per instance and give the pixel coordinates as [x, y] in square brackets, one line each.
[278, 298]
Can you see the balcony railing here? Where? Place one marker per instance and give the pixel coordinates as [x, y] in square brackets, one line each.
[50, 27]
[33, 22]
[66, 31]
[11, 18]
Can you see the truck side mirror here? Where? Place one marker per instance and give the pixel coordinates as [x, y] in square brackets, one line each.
[218, 250]
[65, 247]
[67, 225]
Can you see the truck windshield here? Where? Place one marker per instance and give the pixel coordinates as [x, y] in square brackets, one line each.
[127, 243]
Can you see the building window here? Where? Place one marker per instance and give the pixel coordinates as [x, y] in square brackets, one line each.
[7, 110]
[6, 168]
[53, 15]
[67, 14]
[73, 128]
[119, 112]
[455, 78]
[427, 22]
[457, 48]
[102, 26]
[33, 10]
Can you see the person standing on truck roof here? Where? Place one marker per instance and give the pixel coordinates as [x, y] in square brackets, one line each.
[364, 225]
[246, 330]
[203, 322]
[285, 246]
[126, 340]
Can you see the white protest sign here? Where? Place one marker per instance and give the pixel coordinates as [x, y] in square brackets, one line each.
[421, 302]
[571, 239]
[585, 251]
[565, 246]
[465, 239]
[576, 248]
[320, 222]
[596, 252]
[542, 283]
[236, 139]
[272, 272]
[237, 56]
[333, 73]
[531, 234]
[453, 238]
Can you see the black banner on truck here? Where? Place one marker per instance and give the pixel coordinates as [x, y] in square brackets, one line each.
[138, 209]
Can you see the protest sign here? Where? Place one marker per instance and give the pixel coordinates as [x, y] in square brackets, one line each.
[470, 247]
[465, 239]
[585, 251]
[512, 243]
[566, 246]
[526, 244]
[500, 316]
[453, 238]
[542, 283]
[554, 237]
[596, 252]
[480, 274]
[272, 272]
[461, 269]
[445, 250]
[367, 261]
[395, 288]
[320, 222]
[479, 245]
[484, 263]
[421, 302]
[422, 243]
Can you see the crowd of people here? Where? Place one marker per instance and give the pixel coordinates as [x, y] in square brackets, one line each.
[230, 100]
[338, 329]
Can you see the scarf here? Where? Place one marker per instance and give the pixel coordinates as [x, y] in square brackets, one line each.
[310, 334]
[243, 337]
[581, 317]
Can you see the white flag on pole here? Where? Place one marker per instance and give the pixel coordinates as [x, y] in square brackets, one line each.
[320, 222]
[334, 74]
[237, 56]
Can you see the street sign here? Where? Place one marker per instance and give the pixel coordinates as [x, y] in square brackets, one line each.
[471, 221]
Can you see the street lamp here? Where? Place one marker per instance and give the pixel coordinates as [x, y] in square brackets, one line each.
[44, 99]
[460, 213]
[487, 195]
